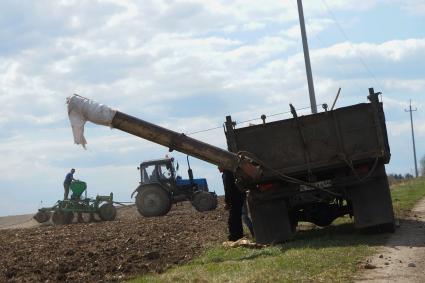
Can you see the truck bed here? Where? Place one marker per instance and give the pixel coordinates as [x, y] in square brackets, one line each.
[320, 141]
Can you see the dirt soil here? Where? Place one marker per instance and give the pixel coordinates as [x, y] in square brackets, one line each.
[402, 259]
[106, 251]
[18, 221]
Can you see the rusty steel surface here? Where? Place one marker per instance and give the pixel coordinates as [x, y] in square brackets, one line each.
[317, 142]
[175, 141]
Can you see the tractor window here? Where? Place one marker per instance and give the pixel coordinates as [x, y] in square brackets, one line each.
[164, 171]
[149, 174]
[145, 176]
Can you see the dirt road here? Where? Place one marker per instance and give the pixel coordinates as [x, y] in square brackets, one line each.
[106, 251]
[402, 259]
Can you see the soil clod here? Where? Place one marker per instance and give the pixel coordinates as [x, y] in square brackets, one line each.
[109, 251]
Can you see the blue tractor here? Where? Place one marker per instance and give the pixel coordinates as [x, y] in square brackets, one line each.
[160, 187]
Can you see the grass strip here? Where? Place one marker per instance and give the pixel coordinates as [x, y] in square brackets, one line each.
[331, 254]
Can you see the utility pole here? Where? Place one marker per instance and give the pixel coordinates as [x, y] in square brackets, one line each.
[413, 135]
[313, 104]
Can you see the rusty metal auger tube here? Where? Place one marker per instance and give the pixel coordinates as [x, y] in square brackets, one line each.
[174, 141]
[185, 144]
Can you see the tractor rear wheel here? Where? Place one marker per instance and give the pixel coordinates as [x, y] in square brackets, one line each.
[107, 212]
[153, 200]
[42, 216]
[204, 201]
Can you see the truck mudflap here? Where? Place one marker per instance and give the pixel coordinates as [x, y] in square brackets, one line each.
[371, 202]
[270, 218]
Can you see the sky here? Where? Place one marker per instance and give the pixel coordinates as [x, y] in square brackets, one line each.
[186, 65]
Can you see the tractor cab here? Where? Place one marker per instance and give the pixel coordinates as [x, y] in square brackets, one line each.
[160, 187]
[158, 171]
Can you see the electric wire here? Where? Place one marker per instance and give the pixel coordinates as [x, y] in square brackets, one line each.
[202, 131]
[320, 43]
[344, 34]
[246, 121]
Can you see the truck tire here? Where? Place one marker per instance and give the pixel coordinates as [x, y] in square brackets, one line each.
[204, 201]
[107, 212]
[152, 201]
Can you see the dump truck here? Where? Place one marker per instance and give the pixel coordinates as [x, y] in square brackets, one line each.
[312, 168]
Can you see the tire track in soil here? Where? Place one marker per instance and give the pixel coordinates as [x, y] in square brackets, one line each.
[109, 251]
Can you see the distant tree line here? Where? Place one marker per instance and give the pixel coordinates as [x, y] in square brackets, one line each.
[397, 178]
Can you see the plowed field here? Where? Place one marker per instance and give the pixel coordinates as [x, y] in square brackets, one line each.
[109, 251]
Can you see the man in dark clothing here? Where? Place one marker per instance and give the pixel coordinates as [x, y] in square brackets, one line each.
[67, 183]
[234, 200]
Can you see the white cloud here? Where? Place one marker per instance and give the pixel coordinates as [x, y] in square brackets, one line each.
[350, 4]
[313, 27]
[408, 85]
[181, 64]
[253, 26]
[416, 7]
[394, 50]
[398, 129]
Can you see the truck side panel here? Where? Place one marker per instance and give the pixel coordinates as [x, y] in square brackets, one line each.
[316, 142]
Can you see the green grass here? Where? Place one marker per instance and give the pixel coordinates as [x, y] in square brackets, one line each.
[329, 254]
[405, 195]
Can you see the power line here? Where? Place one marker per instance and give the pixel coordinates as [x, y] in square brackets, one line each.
[281, 113]
[246, 121]
[276, 114]
[359, 57]
[206, 130]
[320, 43]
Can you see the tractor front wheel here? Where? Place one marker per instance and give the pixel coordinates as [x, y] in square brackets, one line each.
[204, 201]
[107, 212]
[153, 200]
